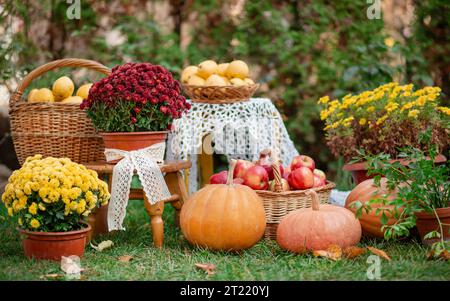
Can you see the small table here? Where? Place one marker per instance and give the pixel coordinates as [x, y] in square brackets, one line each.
[177, 188]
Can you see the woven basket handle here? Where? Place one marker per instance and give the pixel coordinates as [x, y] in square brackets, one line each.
[69, 62]
[275, 167]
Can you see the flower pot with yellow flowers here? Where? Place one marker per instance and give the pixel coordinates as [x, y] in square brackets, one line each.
[52, 199]
[384, 120]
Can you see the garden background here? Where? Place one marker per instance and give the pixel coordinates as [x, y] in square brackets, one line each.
[298, 50]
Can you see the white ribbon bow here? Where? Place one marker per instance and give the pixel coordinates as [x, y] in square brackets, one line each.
[145, 162]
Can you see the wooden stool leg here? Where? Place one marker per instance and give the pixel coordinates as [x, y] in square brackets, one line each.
[176, 185]
[155, 212]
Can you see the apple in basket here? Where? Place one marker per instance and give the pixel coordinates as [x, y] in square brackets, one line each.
[241, 168]
[219, 178]
[284, 185]
[301, 178]
[286, 172]
[265, 161]
[320, 174]
[303, 161]
[256, 178]
[318, 181]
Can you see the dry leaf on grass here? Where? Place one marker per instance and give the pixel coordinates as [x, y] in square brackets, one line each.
[71, 265]
[333, 252]
[353, 251]
[103, 245]
[125, 258]
[207, 267]
[444, 254]
[379, 252]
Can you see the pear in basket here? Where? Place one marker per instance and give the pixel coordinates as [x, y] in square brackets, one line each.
[62, 88]
[41, 95]
[83, 91]
[73, 100]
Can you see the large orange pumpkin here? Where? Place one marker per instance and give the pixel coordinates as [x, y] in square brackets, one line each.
[223, 216]
[318, 227]
[366, 191]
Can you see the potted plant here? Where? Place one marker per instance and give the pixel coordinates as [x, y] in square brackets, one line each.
[134, 106]
[382, 121]
[52, 199]
[422, 195]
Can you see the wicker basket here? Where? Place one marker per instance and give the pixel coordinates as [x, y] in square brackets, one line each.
[54, 129]
[220, 94]
[279, 203]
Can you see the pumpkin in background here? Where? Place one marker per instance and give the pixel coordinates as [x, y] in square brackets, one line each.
[318, 227]
[223, 216]
[366, 191]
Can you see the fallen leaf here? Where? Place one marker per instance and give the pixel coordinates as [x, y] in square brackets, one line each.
[51, 276]
[125, 258]
[379, 252]
[103, 245]
[445, 255]
[333, 252]
[71, 265]
[207, 267]
[353, 251]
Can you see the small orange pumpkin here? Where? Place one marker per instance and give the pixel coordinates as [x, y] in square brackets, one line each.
[318, 227]
[223, 216]
[366, 191]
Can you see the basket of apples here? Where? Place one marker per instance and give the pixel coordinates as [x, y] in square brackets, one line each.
[281, 189]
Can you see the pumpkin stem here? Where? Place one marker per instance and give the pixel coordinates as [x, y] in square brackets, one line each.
[231, 171]
[314, 200]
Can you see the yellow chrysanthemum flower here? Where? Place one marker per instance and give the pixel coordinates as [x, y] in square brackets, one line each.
[413, 113]
[324, 100]
[370, 109]
[10, 211]
[34, 223]
[444, 110]
[362, 121]
[41, 207]
[33, 208]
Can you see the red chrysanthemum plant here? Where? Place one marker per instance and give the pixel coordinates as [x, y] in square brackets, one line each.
[135, 97]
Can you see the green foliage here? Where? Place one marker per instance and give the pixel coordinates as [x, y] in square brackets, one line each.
[423, 186]
[119, 119]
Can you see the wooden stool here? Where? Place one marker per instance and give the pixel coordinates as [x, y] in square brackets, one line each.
[177, 188]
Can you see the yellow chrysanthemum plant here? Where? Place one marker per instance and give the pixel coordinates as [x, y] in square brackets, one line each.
[384, 120]
[53, 195]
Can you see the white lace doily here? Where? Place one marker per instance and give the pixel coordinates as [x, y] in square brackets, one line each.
[239, 131]
[145, 162]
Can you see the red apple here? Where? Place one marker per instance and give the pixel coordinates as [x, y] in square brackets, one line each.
[302, 161]
[241, 168]
[320, 174]
[301, 178]
[284, 185]
[238, 181]
[318, 181]
[269, 169]
[219, 178]
[256, 178]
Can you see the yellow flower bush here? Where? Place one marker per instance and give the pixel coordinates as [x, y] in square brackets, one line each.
[53, 195]
[384, 119]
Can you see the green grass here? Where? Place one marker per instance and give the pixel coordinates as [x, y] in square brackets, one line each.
[265, 261]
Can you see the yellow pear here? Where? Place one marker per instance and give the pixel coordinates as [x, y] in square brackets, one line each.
[221, 68]
[215, 80]
[195, 80]
[227, 81]
[187, 72]
[73, 99]
[237, 69]
[32, 95]
[206, 68]
[249, 81]
[83, 91]
[237, 82]
[62, 88]
[43, 95]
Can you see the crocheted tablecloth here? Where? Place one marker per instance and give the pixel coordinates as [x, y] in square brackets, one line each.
[238, 131]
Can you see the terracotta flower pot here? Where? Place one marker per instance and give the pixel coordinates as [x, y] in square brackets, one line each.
[129, 141]
[427, 222]
[359, 170]
[54, 245]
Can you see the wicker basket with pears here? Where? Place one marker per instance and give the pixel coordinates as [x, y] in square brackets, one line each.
[214, 83]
